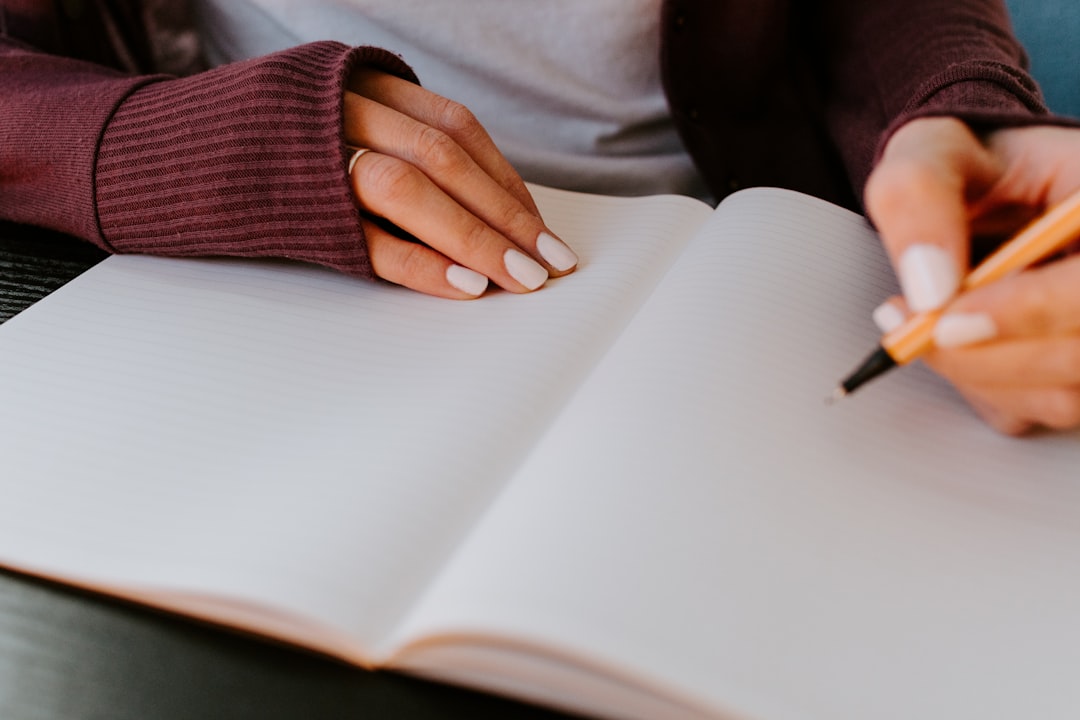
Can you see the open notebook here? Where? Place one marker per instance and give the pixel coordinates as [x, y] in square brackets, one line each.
[622, 495]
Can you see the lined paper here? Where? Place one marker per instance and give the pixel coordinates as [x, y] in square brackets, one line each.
[625, 483]
[272, 433]
[749, 549]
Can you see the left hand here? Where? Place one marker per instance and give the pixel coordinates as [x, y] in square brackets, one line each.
[434, 173]
[1012, 349]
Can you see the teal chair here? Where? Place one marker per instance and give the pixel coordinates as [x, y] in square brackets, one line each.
[1050, 30]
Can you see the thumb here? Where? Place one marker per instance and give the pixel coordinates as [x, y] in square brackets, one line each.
[918, 198]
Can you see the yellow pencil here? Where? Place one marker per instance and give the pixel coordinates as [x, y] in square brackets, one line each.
[1041, 238]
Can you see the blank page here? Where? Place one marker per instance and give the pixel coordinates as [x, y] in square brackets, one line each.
[279, 440]
[699, 520]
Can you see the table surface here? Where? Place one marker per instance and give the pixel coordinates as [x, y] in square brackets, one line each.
[69, 655]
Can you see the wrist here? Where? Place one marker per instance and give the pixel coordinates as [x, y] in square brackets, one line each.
[244, 160]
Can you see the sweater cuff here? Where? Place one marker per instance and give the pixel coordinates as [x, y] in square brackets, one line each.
[986, 96]
[247, 160]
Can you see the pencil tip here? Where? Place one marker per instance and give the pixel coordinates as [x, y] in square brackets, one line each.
[837, 395]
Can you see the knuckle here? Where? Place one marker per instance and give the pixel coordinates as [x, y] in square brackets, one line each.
[436, 149]
[389, 178]
[453, 117]
[516, 221]
[412, 263]
[509, 179]
[475, 238]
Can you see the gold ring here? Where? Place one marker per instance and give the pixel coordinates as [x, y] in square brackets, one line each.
[357, 152]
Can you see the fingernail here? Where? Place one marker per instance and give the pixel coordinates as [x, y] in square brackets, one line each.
[929, 276]
[888, 317]
[467, 281]
[555, 252]
[959, 329]
[524, 269]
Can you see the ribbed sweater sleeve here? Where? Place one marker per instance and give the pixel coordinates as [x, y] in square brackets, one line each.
[244, 160]
[53, 112]
[892, 61]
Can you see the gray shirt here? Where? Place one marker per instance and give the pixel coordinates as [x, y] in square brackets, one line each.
[569, 89]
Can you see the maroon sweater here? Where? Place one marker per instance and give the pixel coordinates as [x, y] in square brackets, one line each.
[247, 159]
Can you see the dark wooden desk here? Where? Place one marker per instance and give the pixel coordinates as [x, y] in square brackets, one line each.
[66, 655]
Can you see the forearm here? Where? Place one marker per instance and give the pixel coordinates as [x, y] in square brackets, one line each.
[246, 159]
[890, 62]
[55, 110]
[60, 82]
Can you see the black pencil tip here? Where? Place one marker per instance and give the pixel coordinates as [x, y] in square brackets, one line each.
[877, 363]
[837, 395]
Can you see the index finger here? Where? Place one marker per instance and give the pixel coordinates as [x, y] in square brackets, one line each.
[918, 197]
[456, 173]
[450, 117]
[390, 188]
[1040, 301]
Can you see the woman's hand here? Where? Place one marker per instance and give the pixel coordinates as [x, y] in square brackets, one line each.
[1012, 348]
[433, 172]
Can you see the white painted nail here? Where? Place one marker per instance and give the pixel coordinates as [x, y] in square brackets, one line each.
[524, 269]
[555, 252]
[888, 317]
[467, 281]
[959, 329]
[929, 277]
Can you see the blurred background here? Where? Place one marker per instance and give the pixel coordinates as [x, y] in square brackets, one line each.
[1050, 30]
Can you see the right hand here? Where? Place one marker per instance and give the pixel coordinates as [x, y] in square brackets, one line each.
[433, 171]
[1011, 348]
